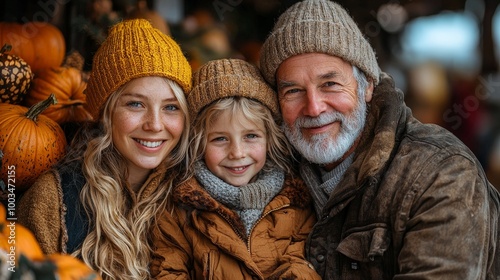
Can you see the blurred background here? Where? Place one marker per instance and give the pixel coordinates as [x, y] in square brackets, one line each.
[444, 54]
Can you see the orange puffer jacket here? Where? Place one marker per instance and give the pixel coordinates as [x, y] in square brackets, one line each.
[203, 239]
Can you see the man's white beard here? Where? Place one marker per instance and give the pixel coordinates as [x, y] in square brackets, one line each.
[323, 148]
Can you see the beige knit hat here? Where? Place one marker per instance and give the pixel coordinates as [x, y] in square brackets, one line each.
[317, 26]
[223, 78]
[134, 49]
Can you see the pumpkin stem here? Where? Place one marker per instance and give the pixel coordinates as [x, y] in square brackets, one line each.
[5, 48]
[38, 108]
[71, 103]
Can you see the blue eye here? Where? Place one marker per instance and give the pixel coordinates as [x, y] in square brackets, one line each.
[134, 104]
[219, 139]
[171, 107]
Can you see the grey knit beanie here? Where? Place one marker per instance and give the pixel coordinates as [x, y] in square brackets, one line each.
[317, 26]
[223, 78]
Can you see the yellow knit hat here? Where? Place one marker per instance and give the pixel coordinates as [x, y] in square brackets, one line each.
[134, 49]
[223, 78]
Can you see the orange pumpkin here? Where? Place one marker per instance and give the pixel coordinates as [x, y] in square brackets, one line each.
[30, 142]
[70, 268]
[29, 258]
[15, 235]
[12, 33]
[40, 44]
[68, 86]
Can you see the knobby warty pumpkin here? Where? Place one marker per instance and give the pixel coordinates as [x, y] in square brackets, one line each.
[31, 142]
[15, 77]
[67, 85]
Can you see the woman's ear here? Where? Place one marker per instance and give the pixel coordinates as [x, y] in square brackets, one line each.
[369, 92]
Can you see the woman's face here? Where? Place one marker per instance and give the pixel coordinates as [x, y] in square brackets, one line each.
[147, 124]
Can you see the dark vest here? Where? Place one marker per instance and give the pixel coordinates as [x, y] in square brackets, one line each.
[77, 222]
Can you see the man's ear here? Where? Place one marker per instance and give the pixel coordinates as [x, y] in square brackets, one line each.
[369, 92]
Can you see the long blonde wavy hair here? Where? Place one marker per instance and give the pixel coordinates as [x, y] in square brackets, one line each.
[118, 243]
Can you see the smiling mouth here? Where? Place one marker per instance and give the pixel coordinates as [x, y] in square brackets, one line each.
[239, 168]
[315, 127]
[320, 128]
[149, 144]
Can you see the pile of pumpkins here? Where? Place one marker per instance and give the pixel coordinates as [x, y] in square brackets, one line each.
[38, 94]
[22, 258]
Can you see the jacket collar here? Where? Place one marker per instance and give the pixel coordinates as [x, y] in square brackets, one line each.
[385, 125]
[152, 183]
[193, 196]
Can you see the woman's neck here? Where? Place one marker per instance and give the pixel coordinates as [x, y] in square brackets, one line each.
[136, 178]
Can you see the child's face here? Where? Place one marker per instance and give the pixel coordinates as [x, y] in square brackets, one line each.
[236, 149]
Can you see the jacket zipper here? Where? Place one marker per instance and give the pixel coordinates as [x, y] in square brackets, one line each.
[258, 221]
[238, 233]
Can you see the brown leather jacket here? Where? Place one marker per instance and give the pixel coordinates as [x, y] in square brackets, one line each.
[414, 204]
[203, 239]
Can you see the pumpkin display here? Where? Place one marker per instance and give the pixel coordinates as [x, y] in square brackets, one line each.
[12, 33]
[40, 44]
[67, 85]
[69, 267]
[30, 142]
[21, 238]
[15, 77]
[29, 262]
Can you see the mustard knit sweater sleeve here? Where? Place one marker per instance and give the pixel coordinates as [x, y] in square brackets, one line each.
[40, 209]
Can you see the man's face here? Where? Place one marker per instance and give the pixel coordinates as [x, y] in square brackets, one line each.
[322, 111]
